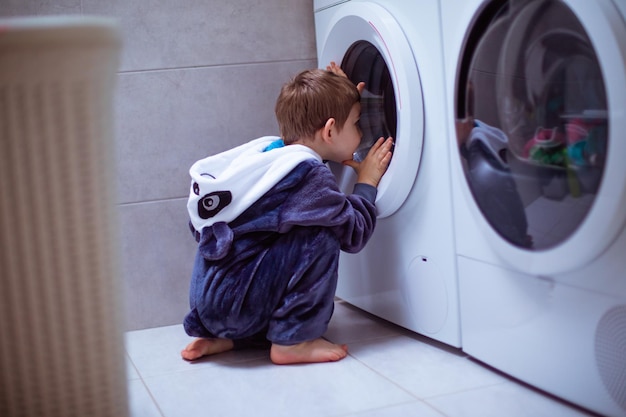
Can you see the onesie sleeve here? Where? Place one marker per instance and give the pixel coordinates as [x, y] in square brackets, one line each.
[366, 191]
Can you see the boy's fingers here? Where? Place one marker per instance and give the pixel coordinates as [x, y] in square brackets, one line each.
[351, 163]
[388, 142]
[379, 144]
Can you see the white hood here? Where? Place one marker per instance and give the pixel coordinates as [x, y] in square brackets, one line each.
[224, 185]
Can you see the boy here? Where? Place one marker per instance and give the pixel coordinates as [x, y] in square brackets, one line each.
[271, 221]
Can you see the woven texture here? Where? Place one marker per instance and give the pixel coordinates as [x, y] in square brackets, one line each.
[61, 346]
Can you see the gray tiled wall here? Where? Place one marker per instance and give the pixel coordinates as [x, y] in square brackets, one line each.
[196, 77]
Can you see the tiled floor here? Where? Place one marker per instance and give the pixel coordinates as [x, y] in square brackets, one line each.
[389, 372]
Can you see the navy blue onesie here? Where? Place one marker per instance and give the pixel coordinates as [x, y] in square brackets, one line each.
[271, 273]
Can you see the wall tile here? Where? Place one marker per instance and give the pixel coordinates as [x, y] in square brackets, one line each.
[39, 7]
[158, 252]
[160, 34]
[197, 77]
[166, 120]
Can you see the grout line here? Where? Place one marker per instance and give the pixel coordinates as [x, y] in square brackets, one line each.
[143, 383]
[192, 67]
[154, 401]
[384, 376]
[469, 389]
[132, 363]
[385, 407]
[156, 200]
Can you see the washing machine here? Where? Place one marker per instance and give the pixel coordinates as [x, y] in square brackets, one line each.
[406, 273]
[536, 111]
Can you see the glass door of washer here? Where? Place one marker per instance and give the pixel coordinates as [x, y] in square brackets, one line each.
[371, 48]
[532, 119]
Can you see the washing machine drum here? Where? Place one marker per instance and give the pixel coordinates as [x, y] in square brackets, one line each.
[532, 74]
[364, 63]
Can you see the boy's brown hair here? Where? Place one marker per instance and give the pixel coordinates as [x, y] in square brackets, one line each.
[311, 98]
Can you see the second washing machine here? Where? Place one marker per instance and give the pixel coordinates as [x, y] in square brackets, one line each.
[537, 115]
[407, 272]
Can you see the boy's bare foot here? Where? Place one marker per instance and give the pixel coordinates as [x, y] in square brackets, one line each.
[318, 350]
[203, 347]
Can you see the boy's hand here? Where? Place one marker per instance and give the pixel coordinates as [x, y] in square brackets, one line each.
[334, 68]
[372, 168]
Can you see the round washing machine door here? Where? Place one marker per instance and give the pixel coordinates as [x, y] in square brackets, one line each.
[541, 116]
[371, 47]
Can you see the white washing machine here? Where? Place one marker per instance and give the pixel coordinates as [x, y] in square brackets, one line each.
[537, 119]
[407, 272]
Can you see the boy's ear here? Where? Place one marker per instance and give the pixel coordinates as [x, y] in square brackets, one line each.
[327, 129]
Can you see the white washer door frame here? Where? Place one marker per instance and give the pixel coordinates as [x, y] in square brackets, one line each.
[370, 22]
[605, 27]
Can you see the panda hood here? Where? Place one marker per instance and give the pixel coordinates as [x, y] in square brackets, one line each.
[224, 185]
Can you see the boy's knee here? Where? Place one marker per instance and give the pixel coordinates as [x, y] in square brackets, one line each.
[193, 325]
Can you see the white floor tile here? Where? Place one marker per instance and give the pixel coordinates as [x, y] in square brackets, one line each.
[140, 401]
[350, 324]
[157, 352]
[508, 399]
[131, 372]
[261, 388]
[389, 372]
[417, 409]
[423, 369]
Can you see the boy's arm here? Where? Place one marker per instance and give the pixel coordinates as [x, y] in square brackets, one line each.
[319, 202]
